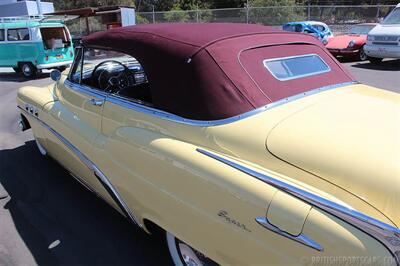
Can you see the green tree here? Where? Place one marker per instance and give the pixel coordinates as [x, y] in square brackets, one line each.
[140, 19]
[267, 3]
[176, 14]
[275, 12]
[159, 5]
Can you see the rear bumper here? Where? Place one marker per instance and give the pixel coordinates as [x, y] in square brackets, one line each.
[382, 51]
[54, 65]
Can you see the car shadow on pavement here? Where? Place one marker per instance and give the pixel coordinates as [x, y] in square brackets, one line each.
[60, 222]
[15, 77]
[348, 59]
[386, 65]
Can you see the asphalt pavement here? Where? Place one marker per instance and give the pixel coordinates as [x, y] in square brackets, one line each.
[385, 75]
[47, 218]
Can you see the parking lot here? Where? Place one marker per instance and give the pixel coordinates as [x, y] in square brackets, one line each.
[385, 75]
[46, 217]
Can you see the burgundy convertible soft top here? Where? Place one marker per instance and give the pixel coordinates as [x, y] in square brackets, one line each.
[210, 71]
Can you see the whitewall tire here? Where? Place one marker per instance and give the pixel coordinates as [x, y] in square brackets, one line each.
[184, 255]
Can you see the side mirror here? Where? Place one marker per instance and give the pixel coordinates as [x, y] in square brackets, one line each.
[55, 75]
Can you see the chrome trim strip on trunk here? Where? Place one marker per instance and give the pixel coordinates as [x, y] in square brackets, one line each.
[385, 233]
[113, 192]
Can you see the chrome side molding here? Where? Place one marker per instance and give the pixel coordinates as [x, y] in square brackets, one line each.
[113, 192]
[139, 107]
[303, 239]
[385, 233]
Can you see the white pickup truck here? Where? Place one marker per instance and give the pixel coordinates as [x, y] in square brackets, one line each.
[384, 40]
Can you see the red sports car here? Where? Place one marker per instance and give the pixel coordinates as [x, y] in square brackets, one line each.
[352, 43]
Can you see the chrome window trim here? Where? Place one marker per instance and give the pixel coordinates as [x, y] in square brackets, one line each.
[385, 233]
[298, 76]
[113, 192]
[139, 107]
[78, 55]
[208, 123]
[85, 89]
[115, 98]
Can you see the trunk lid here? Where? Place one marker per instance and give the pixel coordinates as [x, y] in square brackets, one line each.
[352, 140]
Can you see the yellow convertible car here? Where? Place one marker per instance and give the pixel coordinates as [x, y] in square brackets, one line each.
[244, 144]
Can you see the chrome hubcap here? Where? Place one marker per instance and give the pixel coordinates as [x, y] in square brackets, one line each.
[189, 256]
[26, 69]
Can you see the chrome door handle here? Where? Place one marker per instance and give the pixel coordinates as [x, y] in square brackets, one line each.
[303, 239]
[96, 102]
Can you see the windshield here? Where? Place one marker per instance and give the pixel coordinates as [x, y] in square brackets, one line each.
[361, 29]
[393, 17]
[94, 57]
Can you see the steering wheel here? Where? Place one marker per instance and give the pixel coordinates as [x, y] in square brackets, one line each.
[112, 83]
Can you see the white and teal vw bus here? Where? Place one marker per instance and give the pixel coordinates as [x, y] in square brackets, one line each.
[29, 45]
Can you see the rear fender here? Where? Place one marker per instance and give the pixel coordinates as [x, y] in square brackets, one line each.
[214, 207]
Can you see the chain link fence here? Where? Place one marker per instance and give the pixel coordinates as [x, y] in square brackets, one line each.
[338, 17]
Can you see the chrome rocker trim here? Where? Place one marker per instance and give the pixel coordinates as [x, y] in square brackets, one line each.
[387, 234]
[206, 123]
[113, 192]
